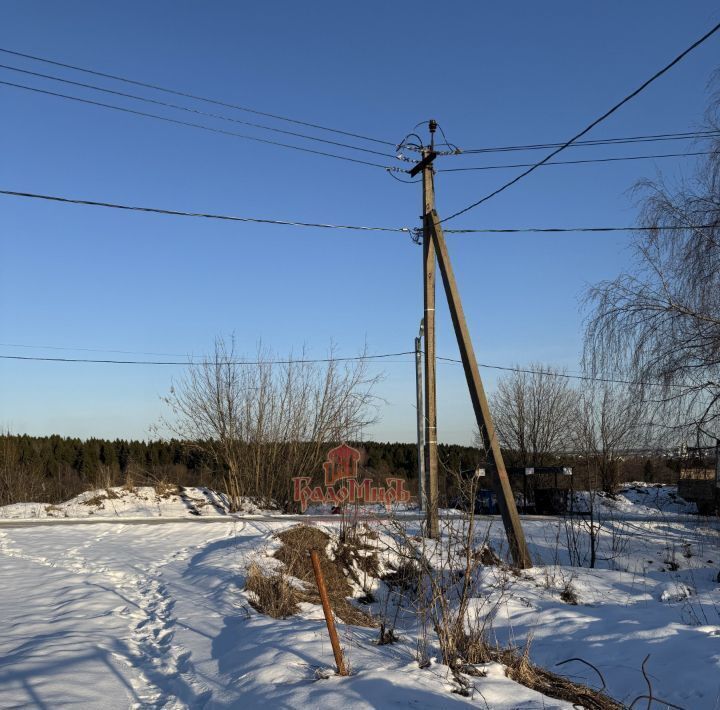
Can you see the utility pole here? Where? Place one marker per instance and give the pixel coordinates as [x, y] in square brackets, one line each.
[420, 417]
[434, 247]
[506, 498]
[431, 457]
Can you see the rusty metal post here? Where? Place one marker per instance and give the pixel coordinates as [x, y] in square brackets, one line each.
[332, 631]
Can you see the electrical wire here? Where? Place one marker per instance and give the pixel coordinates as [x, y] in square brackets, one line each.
[358, 358]
[197, 111]
[407, 182]
[89, 350]
[188, 95]
[187, 363]
[562, 375]
[178, 213]
[579, 162]
[589, 127]
[686, 135]
[561, 230]
[320, 225]
[194, 125]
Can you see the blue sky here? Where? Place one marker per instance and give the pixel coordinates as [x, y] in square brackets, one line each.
[491, 73]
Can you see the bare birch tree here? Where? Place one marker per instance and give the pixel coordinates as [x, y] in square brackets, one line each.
[659, 323]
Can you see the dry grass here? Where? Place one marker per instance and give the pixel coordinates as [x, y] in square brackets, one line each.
[272, 594]
[97, 500]
[163, 489]
[295, 554]
[518, 667]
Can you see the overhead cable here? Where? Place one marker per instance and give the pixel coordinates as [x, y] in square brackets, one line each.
[178, 213]
[187, 109]
[658, 137]
[195, 97]
[323, 225]
[589, 127]
[205, 360]
[579, 162]
[193, 125]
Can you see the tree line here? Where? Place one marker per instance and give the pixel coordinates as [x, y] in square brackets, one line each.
[50, 469]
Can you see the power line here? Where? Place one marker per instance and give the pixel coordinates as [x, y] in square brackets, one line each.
[686, 135]
[178, 213]
[588, 128]
[187, 95]
[320, 225]
[187, 363]
[564, 375]
[561, 230]
[579, 162]
[193, 125]
[197, 111]
[205, 360]
[90, 350]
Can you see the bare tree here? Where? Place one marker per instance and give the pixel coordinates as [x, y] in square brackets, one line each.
[533, 413]
[659, 323]
[264, 422]
[610, 422]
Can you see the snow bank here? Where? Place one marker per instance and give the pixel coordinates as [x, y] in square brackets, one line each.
[141, 501]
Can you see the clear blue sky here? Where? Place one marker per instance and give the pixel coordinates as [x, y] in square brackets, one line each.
[491, 73]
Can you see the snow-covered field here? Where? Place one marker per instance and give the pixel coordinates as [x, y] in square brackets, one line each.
[116, 615]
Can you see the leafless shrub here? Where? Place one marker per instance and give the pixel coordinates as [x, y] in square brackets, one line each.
[265, 422]
[568, 593]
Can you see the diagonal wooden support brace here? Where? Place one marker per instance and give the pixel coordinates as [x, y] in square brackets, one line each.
[506, 500]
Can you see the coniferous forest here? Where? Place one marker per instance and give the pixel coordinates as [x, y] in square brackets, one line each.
[50, 469]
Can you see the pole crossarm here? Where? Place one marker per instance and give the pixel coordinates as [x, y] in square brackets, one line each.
[506, 499]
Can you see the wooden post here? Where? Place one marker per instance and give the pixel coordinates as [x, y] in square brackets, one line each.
[327, 610]
[506, 499]
[431, 459]
[420, 420]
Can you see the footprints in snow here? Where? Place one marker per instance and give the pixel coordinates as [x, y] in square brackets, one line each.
[166, 676]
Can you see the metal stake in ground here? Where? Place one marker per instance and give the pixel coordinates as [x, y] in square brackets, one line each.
[506, 499]
[327, 610]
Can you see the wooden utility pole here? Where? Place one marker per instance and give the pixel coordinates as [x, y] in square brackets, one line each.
[431, 457]
[506, 499]
[420, 419]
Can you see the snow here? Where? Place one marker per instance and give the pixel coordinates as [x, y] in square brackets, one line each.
[118, 615]
[136, 502]
[639, 498]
